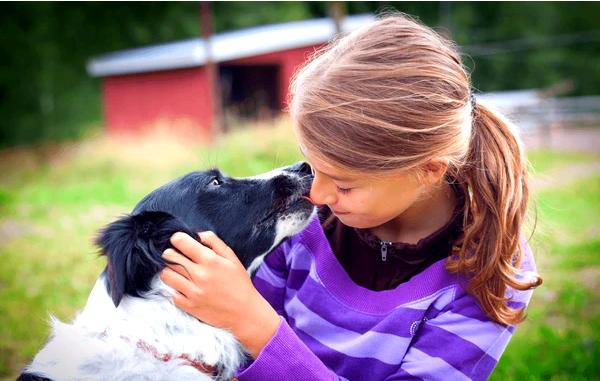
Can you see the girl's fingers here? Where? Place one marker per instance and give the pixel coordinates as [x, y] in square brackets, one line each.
[178, 282]
[179, 269]
[191, 248]
[181, 301]
[212, 241]
[178, 262]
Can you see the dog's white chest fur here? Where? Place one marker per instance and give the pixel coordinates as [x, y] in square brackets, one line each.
[101, 343]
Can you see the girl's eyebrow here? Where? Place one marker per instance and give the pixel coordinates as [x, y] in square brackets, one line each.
[338, 178]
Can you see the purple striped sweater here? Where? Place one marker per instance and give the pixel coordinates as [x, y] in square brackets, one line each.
[332, 329]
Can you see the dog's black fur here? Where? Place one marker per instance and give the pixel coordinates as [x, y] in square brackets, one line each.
[32, 377]
[242, 212]
[134, 245]
[234, 209]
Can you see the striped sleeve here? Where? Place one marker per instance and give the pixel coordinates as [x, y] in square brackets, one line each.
[461, 342]
[270, 278]
[285, 357]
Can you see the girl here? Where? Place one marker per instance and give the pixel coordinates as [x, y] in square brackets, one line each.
[415, 268]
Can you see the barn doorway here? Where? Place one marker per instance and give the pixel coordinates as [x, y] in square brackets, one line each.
[249, 93]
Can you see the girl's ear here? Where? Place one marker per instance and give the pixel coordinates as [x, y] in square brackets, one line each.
[433, 171]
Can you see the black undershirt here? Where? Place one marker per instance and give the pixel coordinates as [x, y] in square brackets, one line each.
[376, 268]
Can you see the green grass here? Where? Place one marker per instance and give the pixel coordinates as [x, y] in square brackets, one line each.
[561, 338]
[543, 160]
[53, 200]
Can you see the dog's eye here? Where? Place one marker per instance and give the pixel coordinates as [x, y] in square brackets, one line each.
[215, 181]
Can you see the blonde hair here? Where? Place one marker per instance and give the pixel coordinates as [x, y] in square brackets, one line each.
[394, 95]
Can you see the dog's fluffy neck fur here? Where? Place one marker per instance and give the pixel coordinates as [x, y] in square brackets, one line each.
[105, 329]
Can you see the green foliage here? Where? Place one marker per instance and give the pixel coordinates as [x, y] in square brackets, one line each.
[531, 53]
[45, 90]
[5, 198]
[46, 93]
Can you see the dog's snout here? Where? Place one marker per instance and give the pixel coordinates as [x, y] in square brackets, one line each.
[283, 186]
[295, 181]
[302, 168]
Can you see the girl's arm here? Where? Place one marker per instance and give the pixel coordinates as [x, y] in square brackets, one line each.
[458, 342]
[217, 290]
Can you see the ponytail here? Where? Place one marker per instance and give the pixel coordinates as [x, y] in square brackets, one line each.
[395, 95]
[494, 179]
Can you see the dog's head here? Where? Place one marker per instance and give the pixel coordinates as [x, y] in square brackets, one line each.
[252, 215]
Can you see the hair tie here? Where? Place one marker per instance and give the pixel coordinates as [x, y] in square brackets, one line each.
[473, 103]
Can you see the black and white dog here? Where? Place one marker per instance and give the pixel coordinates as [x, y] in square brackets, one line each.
[129, 328]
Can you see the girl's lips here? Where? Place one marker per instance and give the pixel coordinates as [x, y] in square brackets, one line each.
[339, 213]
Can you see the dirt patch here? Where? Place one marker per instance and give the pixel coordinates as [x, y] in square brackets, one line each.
[564, 139]
[590, 277]
[565, 175]
[11, 230]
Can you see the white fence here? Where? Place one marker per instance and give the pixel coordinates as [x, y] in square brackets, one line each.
[529, 110]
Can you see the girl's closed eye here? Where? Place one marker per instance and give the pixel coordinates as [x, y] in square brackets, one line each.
[343, 190]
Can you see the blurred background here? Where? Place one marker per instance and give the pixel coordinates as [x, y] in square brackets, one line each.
[103, 102]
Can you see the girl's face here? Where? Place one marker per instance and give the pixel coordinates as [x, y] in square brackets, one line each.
[359, 199]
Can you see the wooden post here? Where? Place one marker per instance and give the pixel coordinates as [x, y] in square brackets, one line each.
[337, 11]
[212, 69]
[445, 8]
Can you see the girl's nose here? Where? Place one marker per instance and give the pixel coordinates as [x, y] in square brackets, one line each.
[321, 194]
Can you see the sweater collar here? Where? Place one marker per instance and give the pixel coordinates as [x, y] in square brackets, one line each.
[411, 252]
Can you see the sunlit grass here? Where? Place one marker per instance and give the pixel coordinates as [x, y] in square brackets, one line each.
[543, 160]
[560, 339]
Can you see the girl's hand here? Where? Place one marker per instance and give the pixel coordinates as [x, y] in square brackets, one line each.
[212, 285]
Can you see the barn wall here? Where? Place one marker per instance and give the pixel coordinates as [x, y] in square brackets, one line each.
[289, 61]
[134, 102]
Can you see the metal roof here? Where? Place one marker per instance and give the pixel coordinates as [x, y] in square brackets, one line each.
[224, 46]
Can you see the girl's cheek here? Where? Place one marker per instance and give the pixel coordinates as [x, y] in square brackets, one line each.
[353, 202]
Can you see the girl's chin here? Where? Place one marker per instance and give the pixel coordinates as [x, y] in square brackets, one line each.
[360, 222]
[353, 221]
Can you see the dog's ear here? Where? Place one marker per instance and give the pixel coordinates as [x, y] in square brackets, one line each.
[134, 245]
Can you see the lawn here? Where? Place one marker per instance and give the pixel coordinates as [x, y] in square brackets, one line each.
[561, 338]
[53, 199]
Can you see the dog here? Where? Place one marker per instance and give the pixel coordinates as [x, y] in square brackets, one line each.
[129, 328]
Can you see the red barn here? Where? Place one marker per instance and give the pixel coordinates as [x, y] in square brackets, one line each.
[170, 82]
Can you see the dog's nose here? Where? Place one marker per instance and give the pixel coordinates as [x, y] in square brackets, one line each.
[302, 168]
